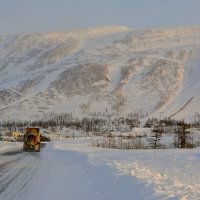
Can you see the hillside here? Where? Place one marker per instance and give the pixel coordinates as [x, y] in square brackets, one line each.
[109, 70]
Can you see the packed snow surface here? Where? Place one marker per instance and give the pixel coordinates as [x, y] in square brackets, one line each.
[110, 70]
[75, 170]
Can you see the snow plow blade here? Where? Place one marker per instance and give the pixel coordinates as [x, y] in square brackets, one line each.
[32, 140]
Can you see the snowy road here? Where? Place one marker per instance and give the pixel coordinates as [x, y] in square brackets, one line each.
[60, 174]
[74, 170]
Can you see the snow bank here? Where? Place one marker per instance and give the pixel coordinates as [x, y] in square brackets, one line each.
[173, 174]
[9, 146]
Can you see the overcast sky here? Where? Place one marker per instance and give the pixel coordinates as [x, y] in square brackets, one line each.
[25, 16]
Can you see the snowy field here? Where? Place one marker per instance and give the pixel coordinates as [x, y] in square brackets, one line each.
[75, 170]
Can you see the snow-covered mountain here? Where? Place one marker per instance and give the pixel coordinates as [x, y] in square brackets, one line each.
[112, 70]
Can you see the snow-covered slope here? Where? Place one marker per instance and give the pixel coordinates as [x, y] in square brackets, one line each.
[112, 70]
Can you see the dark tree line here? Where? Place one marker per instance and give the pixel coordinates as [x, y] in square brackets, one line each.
[56, 121]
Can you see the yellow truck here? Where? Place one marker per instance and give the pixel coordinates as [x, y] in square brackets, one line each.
[32, 139]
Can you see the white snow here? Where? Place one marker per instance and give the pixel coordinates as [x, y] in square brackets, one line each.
[6, 146]
[188, 97]
[172, 174]
[59, 174]
[73, 169]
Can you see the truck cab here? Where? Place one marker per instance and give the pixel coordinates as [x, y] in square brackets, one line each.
[32, 139]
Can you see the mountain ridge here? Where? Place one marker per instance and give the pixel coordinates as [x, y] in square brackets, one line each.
[111, 70]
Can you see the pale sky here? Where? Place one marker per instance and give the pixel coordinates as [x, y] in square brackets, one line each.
[31, 16]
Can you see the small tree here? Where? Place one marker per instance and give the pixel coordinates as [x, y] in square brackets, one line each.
[156, 135]
[184, 139]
